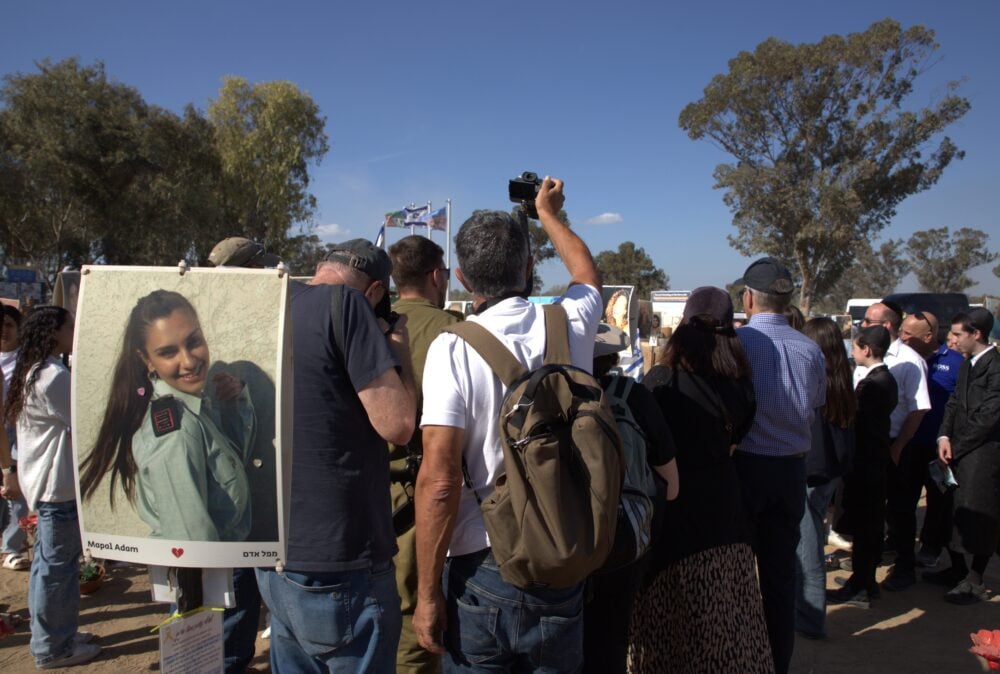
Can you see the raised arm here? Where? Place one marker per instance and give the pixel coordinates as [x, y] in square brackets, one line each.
[390, 399]
[571, 249]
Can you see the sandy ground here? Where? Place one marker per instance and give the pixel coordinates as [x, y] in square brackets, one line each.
[120, 615]
[911, 631]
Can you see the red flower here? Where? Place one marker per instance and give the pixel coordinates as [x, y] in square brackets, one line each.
[28, 523]
[986, 644]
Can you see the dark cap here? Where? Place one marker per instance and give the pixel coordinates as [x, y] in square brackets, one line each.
[609, 340]
[711, 301]
[363, 255]
[237, 251]
[768, 275]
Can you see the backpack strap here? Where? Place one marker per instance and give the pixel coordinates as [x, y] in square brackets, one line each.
[622, 387]
[556, 335]
[491, 349]
[337, 319]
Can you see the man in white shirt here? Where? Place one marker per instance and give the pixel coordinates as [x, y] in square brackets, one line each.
[462, 399]
[909, 370]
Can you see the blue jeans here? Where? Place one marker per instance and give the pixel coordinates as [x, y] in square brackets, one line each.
[774, 493]
[496, 627]
[239, 624]
[810, 596]
[346, 621]
[12, 537]
[54, 586]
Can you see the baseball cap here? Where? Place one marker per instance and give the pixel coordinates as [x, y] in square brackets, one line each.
[609, 340]
[237, 251]
[364, 256]
[768, 275]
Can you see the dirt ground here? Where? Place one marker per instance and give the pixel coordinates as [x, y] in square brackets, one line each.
[120, 614]
[911, 631]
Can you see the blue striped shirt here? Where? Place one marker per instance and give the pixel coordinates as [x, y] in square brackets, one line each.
[789, 380]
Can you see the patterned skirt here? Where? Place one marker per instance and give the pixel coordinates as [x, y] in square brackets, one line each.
[701, 614]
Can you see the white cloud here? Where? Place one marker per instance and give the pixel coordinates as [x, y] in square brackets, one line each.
[332, 231]
[605, 219]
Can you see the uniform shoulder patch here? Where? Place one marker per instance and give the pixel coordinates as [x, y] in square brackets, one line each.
[165, 415]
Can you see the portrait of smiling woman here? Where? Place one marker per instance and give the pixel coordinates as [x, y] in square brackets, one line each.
[178, 453]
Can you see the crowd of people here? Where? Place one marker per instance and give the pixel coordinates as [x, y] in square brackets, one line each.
[750, 434]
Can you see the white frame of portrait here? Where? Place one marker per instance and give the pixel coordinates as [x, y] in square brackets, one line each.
[256, 303]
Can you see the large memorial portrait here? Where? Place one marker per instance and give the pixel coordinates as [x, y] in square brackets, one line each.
[180, 438]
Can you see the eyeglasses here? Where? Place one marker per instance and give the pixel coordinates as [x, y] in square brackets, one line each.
[443, 270]
[920, 316]
[869, 321]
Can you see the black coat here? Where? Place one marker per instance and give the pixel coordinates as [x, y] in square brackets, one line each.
[864, 485]
[972, 423]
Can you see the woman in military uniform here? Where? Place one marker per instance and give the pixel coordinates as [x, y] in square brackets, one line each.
[180, 456]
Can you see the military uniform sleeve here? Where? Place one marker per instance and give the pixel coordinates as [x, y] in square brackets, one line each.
[239, 422]
[176, 482]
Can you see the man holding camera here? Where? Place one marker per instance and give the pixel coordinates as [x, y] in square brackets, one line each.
[421, 277]
[334, 606]
[536, 629]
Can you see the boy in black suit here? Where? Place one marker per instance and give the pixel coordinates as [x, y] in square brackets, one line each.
[864, 485]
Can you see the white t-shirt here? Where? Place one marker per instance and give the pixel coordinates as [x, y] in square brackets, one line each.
[461, 391]
[909, 370]
[45, 450]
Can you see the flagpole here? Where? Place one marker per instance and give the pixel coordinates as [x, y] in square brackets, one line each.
[447, 242]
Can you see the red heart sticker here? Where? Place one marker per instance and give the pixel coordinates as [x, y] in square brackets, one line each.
[177, 551]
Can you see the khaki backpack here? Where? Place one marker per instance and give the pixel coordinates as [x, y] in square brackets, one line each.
[551, 518]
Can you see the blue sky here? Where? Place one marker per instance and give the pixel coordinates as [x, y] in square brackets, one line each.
[436, 100]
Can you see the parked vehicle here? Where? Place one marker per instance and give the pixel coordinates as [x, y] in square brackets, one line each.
[942, 305]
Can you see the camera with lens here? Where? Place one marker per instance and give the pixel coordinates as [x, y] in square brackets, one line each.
[523, 190]
[384, 311]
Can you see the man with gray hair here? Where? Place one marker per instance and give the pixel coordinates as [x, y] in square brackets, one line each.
[484, 618]
[334, 606]
[789, 380]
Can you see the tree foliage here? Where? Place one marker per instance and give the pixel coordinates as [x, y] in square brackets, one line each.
[631, 266]
[90, 172]
[266, 135]
[824, 149]
[875, 272]
[940, 261]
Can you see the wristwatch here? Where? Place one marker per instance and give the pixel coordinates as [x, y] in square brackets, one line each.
[12, 468]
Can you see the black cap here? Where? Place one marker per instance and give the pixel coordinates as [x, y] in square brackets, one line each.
[768, 275]
[364, 256]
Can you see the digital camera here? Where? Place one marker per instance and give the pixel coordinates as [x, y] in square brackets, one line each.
[523, 190]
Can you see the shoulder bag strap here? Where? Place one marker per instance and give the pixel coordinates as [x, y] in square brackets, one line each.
[337, 320]
[497, 356]
[556, 335]
[503, 363]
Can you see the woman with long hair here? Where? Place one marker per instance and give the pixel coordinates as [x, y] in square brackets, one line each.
[180, 457]
[38, 403]
[702, 610]
[13, 539]
[827, 461]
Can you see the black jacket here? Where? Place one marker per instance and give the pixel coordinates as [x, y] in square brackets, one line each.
[972, 415]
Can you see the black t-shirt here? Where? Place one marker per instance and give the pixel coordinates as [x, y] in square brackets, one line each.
[340, 516]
